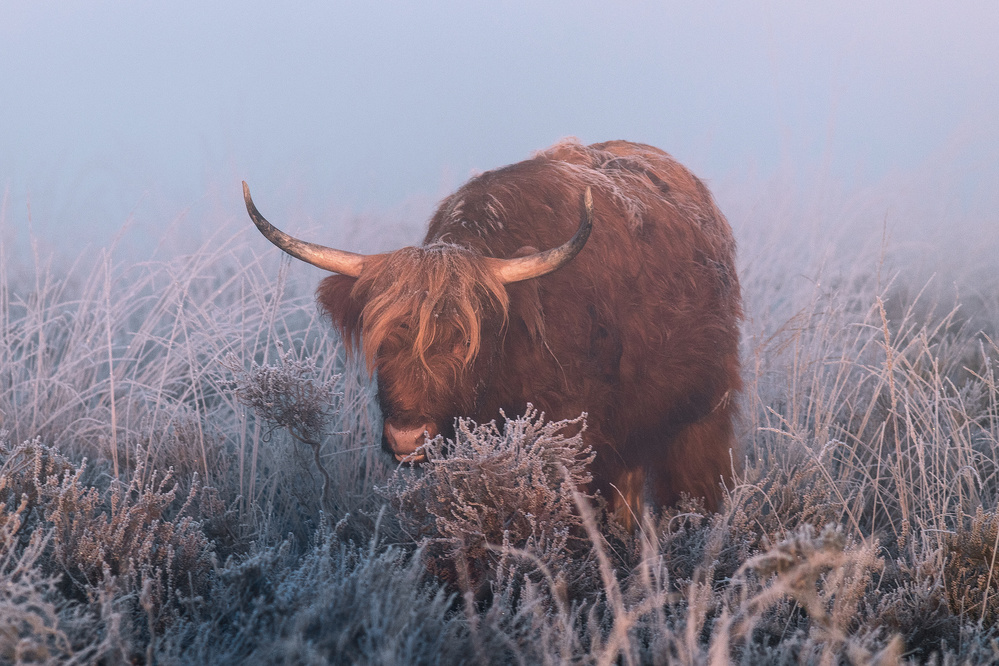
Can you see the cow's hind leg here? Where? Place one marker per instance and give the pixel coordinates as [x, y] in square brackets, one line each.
[627, 496]
[696, 461]
[623, 486]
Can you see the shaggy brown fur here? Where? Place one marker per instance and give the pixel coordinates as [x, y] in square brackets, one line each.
[640, 330]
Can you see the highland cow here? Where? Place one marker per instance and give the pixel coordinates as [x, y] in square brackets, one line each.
[635, 323]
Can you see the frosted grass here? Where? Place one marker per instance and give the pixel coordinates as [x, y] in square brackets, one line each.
[862, 525]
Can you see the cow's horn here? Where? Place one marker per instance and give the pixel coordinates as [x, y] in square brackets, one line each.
[542, 263]
[336, 261]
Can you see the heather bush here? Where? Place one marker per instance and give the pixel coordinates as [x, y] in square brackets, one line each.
[499, 498]
[336, 603]
[29, 617]
[285, 395]
[132, 537]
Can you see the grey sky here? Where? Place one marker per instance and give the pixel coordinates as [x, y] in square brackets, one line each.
[115, 108]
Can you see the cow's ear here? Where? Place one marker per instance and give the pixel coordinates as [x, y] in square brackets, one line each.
[525, 304]
[337, 298]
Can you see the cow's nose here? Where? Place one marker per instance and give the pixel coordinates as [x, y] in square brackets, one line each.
[406, 442]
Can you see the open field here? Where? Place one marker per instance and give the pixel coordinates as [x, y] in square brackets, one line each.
[161, 499]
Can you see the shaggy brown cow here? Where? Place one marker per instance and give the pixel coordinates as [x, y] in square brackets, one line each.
[640, 330]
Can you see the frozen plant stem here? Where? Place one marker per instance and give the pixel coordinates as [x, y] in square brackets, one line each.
[114, 416]
[319, 463]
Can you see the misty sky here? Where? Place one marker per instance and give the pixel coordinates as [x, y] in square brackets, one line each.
[112, 110]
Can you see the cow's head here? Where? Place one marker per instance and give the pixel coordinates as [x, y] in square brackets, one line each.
[429, 320]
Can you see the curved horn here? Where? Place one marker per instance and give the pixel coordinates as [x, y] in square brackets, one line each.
[542, 263]
[336, 261]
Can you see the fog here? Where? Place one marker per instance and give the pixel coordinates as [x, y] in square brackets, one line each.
[115, 113]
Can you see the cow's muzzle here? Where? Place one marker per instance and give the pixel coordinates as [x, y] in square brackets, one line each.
[407, 443]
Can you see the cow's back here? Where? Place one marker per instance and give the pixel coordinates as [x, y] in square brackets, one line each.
[641, 328]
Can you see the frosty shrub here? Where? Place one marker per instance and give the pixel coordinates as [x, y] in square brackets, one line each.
[826, 577]
[970, 574]
[287, 395]
[127, 539]
[338, 603]
[491, 493]
[29, 620]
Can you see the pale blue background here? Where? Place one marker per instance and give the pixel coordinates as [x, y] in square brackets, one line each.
[149, 112]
